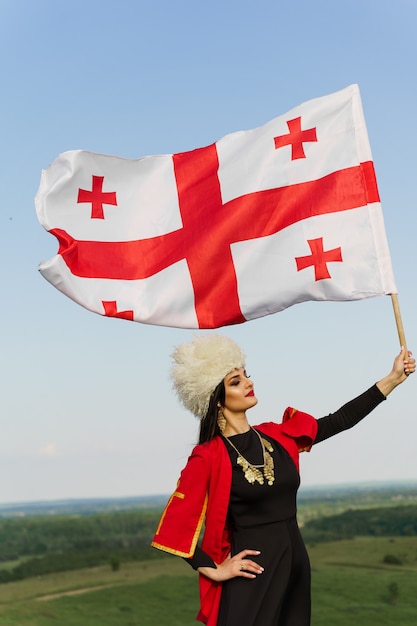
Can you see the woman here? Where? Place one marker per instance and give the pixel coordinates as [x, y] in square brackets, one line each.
[242, 483]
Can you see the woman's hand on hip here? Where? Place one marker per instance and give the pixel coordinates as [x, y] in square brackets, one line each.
[233, 566]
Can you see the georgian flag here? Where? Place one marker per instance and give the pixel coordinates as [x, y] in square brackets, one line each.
[252, 224]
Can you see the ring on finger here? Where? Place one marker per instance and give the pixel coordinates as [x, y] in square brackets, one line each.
[242, 567]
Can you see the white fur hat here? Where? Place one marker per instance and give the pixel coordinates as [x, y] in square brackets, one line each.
[198, 367]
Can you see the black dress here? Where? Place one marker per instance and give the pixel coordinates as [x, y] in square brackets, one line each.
[263, 517]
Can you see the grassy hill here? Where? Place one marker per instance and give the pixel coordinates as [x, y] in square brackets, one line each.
[351, 585]
[92, 567]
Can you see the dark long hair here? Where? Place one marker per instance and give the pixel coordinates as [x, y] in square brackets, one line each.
[208, 426]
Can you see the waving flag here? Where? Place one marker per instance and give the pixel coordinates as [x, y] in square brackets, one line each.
[252, 224]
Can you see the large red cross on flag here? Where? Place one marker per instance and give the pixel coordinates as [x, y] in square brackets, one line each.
[245, 227]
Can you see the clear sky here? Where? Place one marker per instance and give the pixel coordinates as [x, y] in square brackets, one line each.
[86, 403]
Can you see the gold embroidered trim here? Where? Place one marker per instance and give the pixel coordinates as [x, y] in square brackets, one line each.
[196, 535]
[199, 525]
[159, 546]
[177, 494]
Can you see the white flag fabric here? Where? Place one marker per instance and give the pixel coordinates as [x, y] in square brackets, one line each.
[254, 223]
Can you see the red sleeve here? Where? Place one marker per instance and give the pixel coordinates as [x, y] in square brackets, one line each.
[301, 426]
[181, 521]
[296, 433]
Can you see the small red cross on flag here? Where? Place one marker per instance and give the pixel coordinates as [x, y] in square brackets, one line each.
[319, 259]
[97, 197]
[220, 235]
[296, 138]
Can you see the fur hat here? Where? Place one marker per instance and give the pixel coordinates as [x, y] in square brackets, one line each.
[198, 367]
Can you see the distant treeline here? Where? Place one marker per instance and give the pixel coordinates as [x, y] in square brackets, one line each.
[35, 546]
[41, 545]
[376, 522]
[87, 506]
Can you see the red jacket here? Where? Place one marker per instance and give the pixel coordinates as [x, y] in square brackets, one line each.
[203, 493]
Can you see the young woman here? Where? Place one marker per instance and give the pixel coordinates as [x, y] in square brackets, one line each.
[241, 482]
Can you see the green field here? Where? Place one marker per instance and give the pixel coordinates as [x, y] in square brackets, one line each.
[90, 563]
[351, 585]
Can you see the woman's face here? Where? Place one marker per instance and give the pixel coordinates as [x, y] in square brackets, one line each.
[239, 394]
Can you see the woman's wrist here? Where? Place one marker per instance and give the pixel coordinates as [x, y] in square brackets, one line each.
[388, 383]
[208, 571]
[403, 366]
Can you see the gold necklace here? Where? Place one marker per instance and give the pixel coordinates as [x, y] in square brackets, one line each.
[252, 472]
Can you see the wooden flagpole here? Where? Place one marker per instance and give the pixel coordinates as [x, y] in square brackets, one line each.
[398, 320]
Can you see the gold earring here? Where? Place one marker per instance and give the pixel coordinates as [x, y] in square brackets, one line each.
[221, 420]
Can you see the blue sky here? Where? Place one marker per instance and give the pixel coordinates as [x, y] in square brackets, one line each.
[87, 406]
